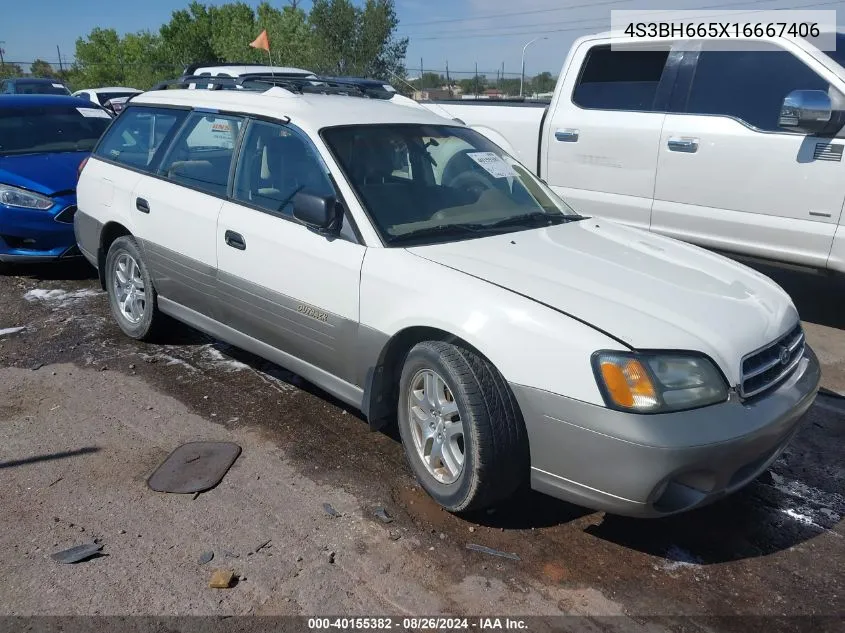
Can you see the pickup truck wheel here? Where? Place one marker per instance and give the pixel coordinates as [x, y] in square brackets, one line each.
[132, 297]
[463, 434]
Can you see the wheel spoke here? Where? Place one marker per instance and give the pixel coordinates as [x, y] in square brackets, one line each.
[452, 461]
[436, 454]
[430, 388]
[449, 410]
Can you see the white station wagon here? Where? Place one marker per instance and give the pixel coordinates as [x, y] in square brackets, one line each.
[408, 266]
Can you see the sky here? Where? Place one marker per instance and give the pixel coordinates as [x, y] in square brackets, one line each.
[461, 32]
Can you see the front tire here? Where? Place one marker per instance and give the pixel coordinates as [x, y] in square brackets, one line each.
[132, 297]
[462, 431]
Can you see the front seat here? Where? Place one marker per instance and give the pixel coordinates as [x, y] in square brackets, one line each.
[292, 167]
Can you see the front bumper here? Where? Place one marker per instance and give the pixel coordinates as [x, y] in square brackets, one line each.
[656, 465]
[32, 236]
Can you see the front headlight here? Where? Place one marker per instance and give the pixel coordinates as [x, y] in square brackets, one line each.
[15, 197]
[658, 382]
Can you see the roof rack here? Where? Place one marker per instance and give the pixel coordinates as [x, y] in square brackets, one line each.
[295, 83]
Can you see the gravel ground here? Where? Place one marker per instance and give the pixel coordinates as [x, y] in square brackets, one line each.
[88, 414]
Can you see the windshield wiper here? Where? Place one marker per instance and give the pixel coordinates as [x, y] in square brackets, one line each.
[441, 230]
[535, 218]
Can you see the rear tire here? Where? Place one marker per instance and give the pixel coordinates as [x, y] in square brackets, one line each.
[463, 433]
[132, 297]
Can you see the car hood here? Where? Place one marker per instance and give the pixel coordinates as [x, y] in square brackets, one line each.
[647, 291]
[47, 174]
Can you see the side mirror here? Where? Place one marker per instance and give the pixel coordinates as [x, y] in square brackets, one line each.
[316, 212]
[807, 111]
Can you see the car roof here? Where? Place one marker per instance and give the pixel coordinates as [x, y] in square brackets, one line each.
[237, 70]
[315, 111]
[28, 101]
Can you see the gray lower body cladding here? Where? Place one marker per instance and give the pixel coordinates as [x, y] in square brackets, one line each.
[87, 231]
[656, 465]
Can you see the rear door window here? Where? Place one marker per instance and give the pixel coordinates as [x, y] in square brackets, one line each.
[619, 79]
[200, 156]
[136, 138]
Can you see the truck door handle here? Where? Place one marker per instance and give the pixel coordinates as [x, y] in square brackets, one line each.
[688, 145]
[567, 135]
[235, 240]
[142, 205]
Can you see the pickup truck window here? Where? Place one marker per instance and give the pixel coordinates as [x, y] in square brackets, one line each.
[749, 85]
[619, 79]
[436, 183]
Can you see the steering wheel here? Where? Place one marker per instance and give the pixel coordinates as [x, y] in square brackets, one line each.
[472, 182]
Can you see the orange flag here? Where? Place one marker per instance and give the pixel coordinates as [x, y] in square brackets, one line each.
[261, 41]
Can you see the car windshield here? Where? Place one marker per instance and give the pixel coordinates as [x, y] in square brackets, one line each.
[40, 88]
[31, 130]
[424, 184]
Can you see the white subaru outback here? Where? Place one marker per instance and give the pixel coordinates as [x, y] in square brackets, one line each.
[411, 268]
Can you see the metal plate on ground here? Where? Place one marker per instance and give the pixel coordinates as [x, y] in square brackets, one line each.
[194, 467]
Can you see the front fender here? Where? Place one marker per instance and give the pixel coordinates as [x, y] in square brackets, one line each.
[529, 343]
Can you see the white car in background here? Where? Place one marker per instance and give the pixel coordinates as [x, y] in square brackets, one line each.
[411, 268]
[101, 96]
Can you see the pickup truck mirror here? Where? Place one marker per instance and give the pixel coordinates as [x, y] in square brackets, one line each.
[317, 212]
[810, 112]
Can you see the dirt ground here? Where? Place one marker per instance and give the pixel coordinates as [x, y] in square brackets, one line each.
[87, 414]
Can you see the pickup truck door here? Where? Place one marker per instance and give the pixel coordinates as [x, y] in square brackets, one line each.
[281, 283]
[603, 130]
[728, 178]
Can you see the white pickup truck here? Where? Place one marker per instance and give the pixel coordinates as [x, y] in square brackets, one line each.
[736, 151]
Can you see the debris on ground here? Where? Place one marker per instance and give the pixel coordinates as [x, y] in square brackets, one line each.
[471, 528]
[205, 557]
[331, 558]
[331, 511]
[382, 515]
[493, 552]
[194, 467]
[395, 535]
[12, 330]
[37, 366]
[76, 554]
[262, 546]
[221, 579]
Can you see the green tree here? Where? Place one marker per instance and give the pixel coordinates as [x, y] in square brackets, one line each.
[187, 38]
[544, 82]
[41, 68]
[429, 80]
[105, 59]
[357, 41]
[233, 28]
[8, 71]
[471, 84]
[291, 42]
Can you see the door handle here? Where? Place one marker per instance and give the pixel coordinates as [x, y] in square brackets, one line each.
[567, 135]
[235, 240]
[688, 145]
[142, 205]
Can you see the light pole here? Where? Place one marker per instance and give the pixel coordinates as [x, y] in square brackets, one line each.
[522, 76]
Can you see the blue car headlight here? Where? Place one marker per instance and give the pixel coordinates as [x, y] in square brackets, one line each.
[23, 199]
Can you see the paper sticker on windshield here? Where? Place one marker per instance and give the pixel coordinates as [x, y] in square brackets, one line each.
[492, 164]
[93, 113]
